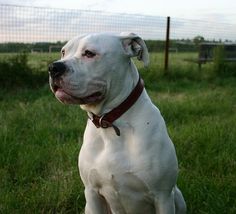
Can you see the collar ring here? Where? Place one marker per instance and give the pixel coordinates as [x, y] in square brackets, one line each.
[103, 123]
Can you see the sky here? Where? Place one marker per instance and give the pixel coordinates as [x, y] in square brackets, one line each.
[212, 19]
[210, 10]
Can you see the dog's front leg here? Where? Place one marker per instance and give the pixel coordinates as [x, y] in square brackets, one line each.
[164, 203]
[95, 203]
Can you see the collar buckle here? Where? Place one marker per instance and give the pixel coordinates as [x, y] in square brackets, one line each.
[104, 123]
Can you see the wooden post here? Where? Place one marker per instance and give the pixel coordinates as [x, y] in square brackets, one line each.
[167, 45]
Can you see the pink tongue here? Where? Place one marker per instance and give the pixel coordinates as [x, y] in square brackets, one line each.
[64, 97]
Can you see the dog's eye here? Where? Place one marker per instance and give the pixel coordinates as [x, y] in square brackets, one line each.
[89, 54]
[63, 53]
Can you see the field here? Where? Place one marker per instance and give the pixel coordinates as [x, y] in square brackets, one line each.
[40, 138]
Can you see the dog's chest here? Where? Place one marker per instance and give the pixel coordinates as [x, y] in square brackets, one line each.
[103, 161]
[116, 178]
[102, 168]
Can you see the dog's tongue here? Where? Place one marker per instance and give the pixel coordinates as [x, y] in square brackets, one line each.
[64, 97]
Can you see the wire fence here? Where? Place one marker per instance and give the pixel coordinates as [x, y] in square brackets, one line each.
[20, 24]
[31, 24]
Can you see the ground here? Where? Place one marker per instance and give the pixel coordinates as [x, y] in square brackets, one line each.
[40, 139]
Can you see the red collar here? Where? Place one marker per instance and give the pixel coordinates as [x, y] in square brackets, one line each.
[106, 120]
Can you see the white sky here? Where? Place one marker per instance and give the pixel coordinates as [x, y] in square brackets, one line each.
[209, 10]
[217, 19]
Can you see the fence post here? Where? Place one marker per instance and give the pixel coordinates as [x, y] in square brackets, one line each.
[167, 44]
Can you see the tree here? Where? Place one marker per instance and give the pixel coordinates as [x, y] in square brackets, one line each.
[198, 39]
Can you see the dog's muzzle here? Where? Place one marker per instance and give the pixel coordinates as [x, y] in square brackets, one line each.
[64, 91]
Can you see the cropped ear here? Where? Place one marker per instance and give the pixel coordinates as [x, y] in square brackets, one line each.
[135, 46]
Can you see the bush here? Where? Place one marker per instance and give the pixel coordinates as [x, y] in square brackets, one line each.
[221, 67]
[15, 72]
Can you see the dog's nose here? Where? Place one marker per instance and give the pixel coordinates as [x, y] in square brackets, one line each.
[56, 69]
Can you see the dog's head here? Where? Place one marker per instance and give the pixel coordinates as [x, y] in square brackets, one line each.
[90, 65]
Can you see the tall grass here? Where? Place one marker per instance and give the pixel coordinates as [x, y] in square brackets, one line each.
[40, 139]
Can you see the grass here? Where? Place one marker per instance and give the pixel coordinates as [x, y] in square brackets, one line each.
[40, 140]
[39, 154]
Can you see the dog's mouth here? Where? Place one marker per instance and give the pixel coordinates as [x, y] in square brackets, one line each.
[68, 98]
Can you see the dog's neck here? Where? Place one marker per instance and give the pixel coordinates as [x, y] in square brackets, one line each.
[118, 95]
[106, 120]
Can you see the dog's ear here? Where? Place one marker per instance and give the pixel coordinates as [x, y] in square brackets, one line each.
[135, 46]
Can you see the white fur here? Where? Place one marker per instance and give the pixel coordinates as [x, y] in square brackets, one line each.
[137, 171]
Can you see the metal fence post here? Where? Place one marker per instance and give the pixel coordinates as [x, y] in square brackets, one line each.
[167, 44]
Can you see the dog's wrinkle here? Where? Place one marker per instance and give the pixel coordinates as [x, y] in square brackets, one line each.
[71, 87]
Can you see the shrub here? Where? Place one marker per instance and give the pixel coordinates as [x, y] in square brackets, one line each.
[15, 72]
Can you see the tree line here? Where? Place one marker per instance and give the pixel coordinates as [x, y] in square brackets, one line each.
[178, 45]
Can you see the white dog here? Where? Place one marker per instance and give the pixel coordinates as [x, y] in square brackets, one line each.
[127, 161]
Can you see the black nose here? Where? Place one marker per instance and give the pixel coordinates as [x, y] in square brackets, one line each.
[56, 69]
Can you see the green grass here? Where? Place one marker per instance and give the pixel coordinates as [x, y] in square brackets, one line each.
[39, 148]
[40, 139]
